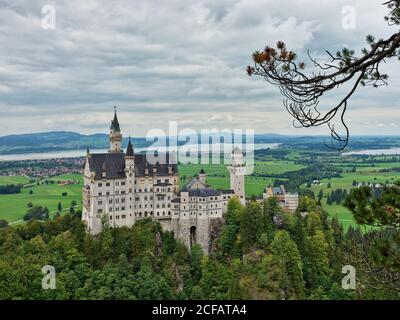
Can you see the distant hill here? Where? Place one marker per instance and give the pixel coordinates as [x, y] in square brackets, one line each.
[65, 140]
[56, 141]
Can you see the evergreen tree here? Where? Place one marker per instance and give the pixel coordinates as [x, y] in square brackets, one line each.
[250, 225]
[286, 254]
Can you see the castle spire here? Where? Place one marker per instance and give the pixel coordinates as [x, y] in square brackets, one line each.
[115, 123]
[129, 150]
[115, 134]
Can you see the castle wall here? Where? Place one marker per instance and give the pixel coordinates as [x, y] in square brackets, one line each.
[122, 201]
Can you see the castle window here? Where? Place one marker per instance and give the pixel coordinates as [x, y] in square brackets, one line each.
[107, 184]
[110, 217]
[110, 201]
[116, 217]
[123, 200]
[123, 208]
[110, 209]
[123, 216]
[100, 184]
[100, 194]
[116, 183]
[100, 203]
[100, 211]
[123, 192]
[123, 183]
[107, 193]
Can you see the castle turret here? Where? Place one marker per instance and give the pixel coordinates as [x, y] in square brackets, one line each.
[237, 171]
[130, 181]
[115, 135]
[202, 176]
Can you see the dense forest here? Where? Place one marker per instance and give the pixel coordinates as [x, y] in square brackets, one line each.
[260, 252]
[10, 189]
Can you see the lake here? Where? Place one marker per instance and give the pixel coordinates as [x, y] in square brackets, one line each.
[82, 153]
[373, 152]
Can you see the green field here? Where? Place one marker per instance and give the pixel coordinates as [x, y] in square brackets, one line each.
[367, 174]
[14, 206]
[13, 180]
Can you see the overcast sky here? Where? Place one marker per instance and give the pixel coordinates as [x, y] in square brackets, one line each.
[174, 60]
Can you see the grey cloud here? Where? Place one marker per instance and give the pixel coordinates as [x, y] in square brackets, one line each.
[169, 60]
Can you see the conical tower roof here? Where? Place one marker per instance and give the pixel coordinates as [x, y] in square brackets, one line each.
[129, 150]
[114, 123]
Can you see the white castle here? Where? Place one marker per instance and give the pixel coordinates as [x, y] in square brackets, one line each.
[121, 188]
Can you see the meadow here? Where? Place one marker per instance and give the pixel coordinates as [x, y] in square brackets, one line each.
[366, 174]
[13, 207]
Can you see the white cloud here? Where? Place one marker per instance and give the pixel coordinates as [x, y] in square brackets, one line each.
[170, 60]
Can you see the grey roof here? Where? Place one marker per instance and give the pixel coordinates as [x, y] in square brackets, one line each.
[227, 191]
[207, 192]
[129, 150]
[141, 164]
[236, 150]
[194, 181]
[277, 190]
[176, 200]
[115, 123]
[113, 164]
[202, 171]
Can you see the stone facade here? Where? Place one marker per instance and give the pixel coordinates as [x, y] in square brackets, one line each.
[288, 201]
[121, 188]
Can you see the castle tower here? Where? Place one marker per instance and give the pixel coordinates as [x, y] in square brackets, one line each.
[115, 135]
[202, 176]
[236, 171]
[130, 182]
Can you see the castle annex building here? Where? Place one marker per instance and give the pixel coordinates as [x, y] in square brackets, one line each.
[121, 188]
